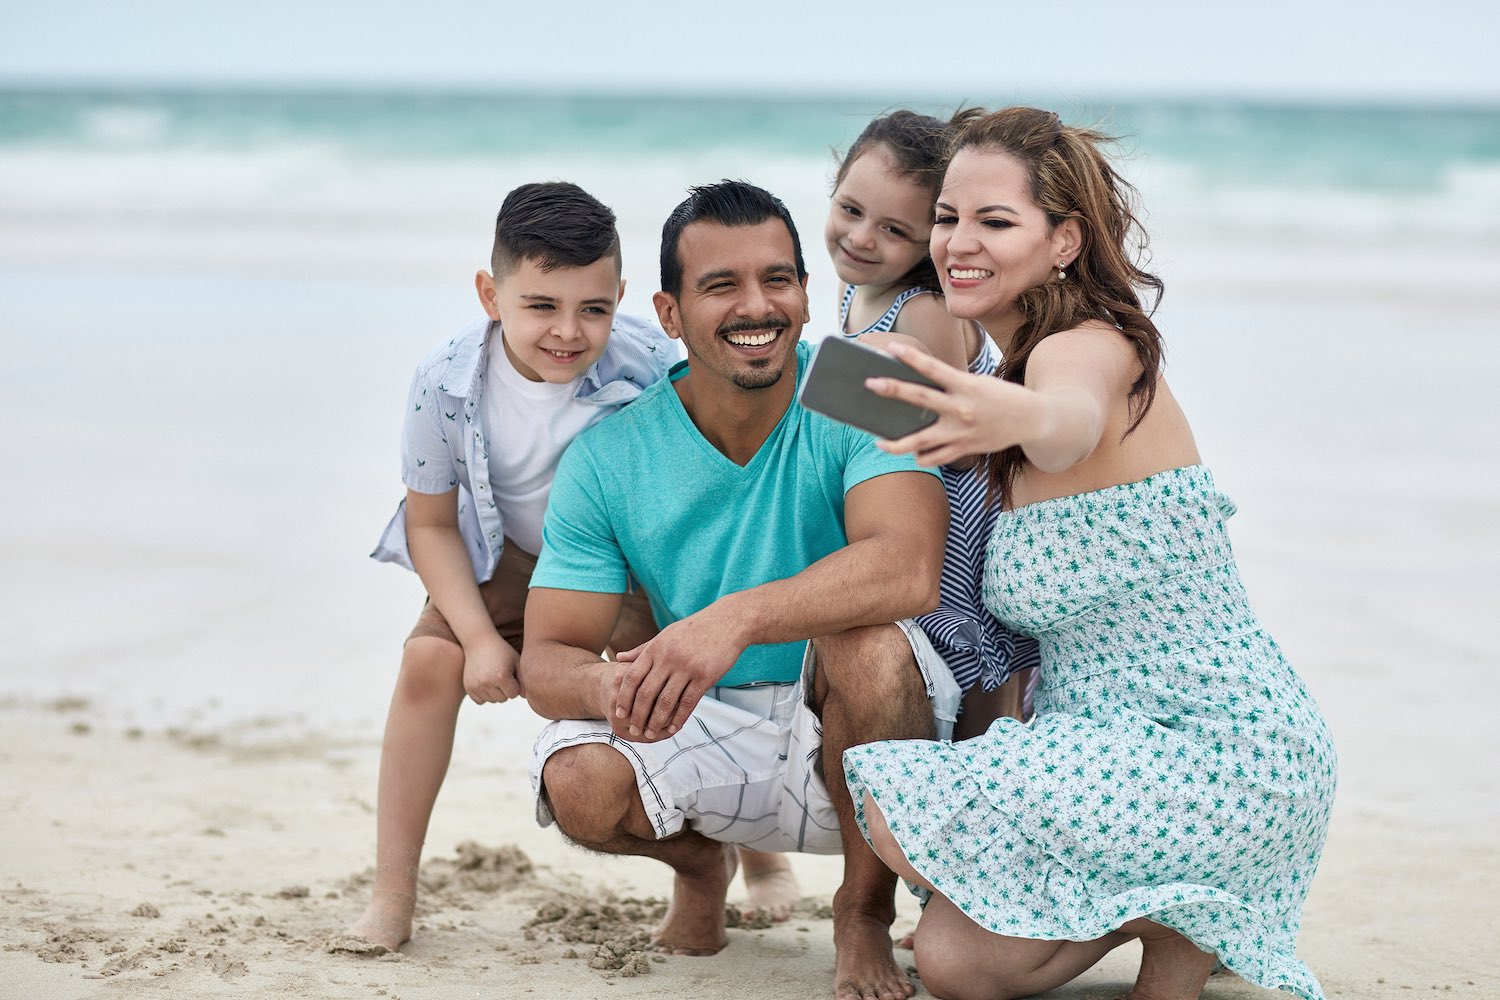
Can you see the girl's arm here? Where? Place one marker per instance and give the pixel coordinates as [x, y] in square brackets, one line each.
[926, 319]
[1074, 380]
[441, 560]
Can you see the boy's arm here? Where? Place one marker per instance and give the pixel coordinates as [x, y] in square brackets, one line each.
[896, 524]
[438, 553]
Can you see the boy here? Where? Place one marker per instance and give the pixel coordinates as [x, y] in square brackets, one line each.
[489, 414]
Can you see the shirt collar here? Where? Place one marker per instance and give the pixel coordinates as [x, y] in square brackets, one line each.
[465, 368]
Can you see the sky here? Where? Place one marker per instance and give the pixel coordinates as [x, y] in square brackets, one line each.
[1373, 50]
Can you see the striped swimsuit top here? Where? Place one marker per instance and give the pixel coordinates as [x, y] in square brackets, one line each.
[887, 319]
[970, 639]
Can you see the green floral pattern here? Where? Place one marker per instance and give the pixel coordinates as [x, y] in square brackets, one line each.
[1176, 768]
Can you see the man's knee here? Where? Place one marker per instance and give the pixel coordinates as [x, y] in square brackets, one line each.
[590, 790]
[872, 662]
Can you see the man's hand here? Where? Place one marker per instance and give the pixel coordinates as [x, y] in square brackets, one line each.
[660, 682]
[490, 671]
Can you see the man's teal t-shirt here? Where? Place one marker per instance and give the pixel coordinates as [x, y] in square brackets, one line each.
[643, 494]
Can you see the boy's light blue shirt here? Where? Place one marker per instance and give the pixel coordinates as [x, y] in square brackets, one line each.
[645, 495]
[444, 441]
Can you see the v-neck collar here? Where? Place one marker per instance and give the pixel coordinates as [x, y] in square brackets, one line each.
[759, 458]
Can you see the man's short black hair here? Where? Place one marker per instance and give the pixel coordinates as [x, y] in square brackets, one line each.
[553, 224]
[729, 203]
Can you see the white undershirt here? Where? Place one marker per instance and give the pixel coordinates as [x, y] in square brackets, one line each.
[528, 424]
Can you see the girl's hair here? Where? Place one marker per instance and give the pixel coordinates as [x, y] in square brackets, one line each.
[918, 146]
[1072, 179]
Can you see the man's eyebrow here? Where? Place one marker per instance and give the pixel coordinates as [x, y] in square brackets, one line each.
[782, 267]
[710, 276]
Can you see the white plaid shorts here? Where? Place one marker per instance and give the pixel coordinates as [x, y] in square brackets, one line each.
[747, 767]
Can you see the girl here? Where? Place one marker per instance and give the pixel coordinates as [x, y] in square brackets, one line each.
[1176, 783]
[879, 221]
[879, 224]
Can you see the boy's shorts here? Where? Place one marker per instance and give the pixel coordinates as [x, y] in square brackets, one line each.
[747, 768]
[504, 594]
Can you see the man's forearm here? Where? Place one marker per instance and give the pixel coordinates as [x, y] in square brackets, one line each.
[864, 583]
[897, 527]
[564, 682]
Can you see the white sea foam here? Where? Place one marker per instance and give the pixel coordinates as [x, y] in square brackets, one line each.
[314, 182]
[125, 125]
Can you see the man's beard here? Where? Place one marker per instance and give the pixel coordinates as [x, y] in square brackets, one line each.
[761, 375]
[757, 378]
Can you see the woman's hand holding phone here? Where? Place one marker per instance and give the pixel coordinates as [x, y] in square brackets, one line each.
[976, 414]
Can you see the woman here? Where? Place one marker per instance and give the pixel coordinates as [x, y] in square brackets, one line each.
[1176, 783]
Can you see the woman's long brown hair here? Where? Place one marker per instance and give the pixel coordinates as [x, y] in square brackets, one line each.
[1072, 179]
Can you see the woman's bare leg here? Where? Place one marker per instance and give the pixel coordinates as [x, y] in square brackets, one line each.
[959, 960]
[1172, 967]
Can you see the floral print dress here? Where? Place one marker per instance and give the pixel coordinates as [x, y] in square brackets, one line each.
[1177, 769]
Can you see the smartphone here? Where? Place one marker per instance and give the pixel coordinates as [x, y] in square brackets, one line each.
[835, 387]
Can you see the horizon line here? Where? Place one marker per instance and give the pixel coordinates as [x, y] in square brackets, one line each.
[700, 93]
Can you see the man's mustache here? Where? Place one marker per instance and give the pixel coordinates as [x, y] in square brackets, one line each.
[775, 321]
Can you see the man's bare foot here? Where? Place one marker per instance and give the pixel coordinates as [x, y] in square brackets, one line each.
[386, 922]
[866, 968]
[694, 924]
[770, 883]
[1172, 967]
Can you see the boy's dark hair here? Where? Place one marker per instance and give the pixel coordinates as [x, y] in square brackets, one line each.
[554, 224]
[729, 203]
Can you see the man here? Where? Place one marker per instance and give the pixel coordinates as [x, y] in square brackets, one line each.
[753, 526]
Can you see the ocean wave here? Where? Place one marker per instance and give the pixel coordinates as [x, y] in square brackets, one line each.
[314, 183]
[1465, 205]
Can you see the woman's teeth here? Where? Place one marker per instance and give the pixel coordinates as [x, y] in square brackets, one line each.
[969, 273]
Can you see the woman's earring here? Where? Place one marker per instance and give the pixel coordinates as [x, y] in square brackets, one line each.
[1061, 274]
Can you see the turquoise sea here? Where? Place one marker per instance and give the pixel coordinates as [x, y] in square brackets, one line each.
[211, 303]
[1395, 169]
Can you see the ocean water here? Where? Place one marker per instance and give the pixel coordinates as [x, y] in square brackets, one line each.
[60, 146]
[404, 185]
[211, 303]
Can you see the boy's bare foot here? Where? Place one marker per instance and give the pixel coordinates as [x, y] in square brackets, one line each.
[694, 924]
[352, 944]
[1172, 967]
[770, 883]
[865, 968]
[386, 922]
